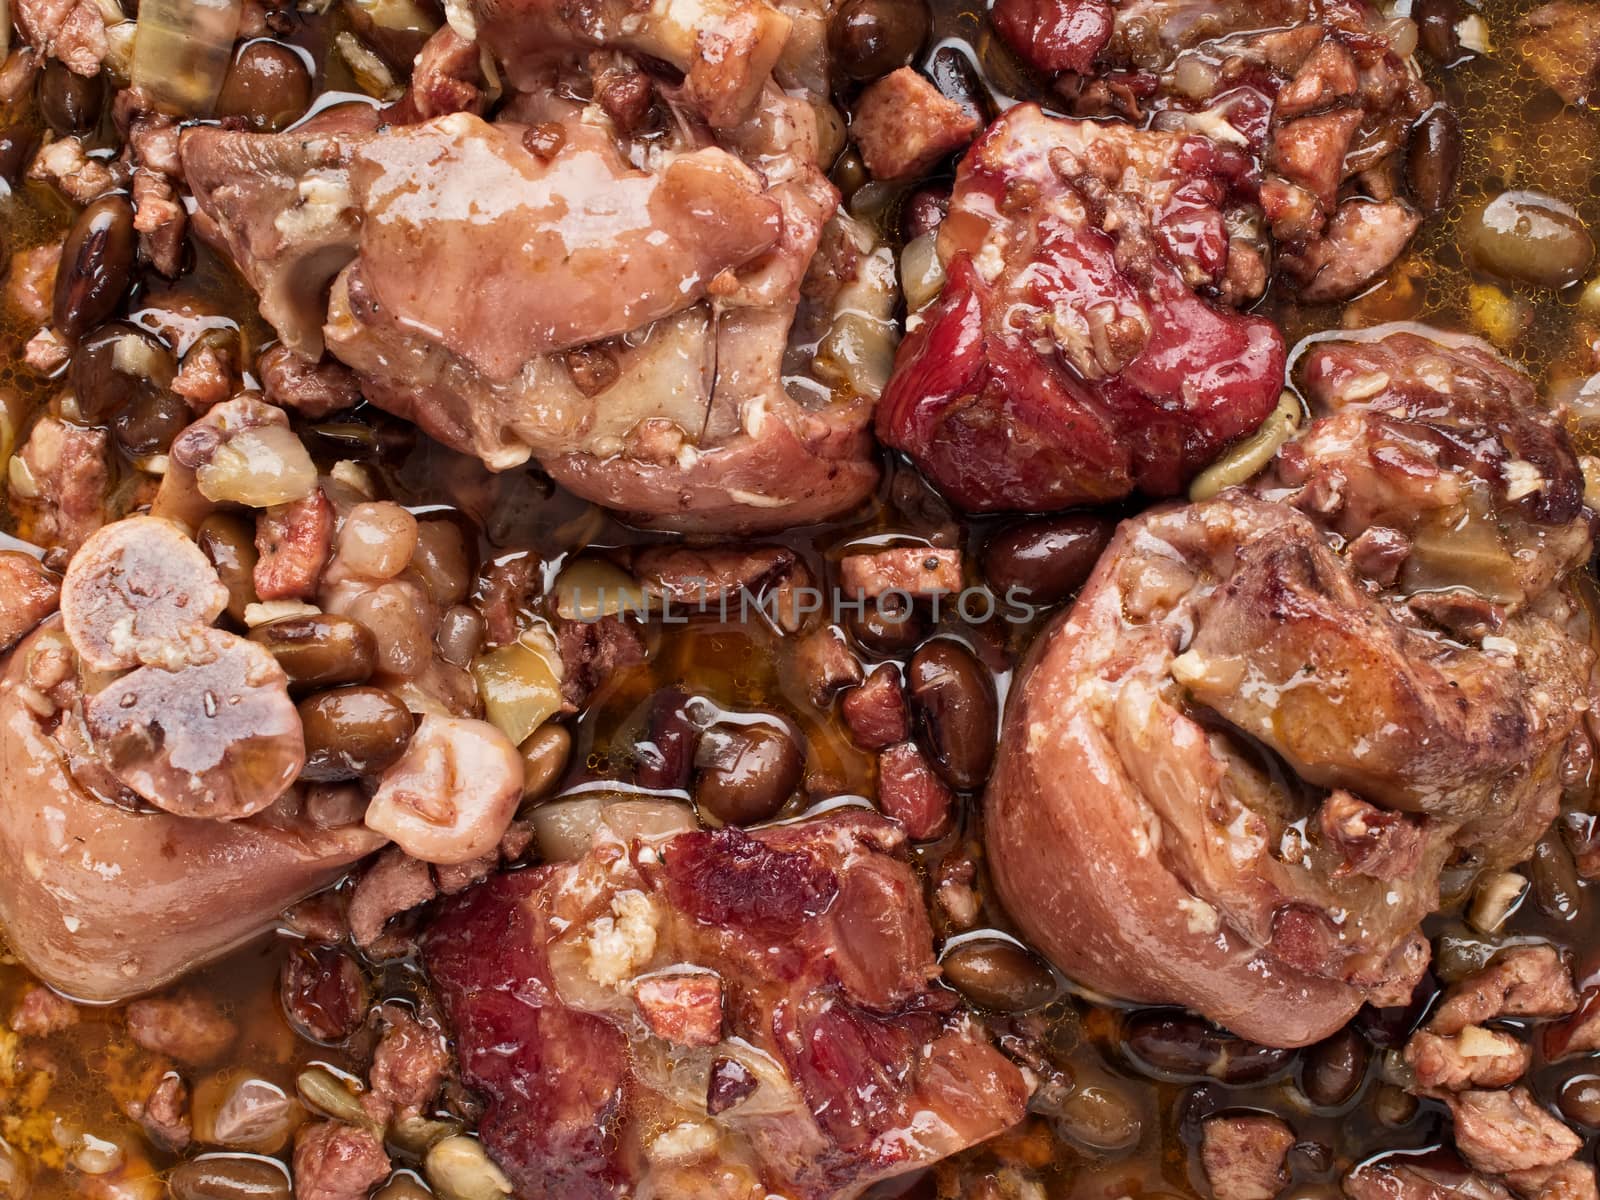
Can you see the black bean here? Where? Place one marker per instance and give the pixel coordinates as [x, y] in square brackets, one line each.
[666, 757]
[1334, 1069]
[544, 757]
[1436, 29]
[746, 771]
[149, 425]
[1181, 1046]
[228, 1177]
[954, 74]
[267, 84]
[954, 701]
[320, 650]
[96, 266]
[68, 102]
[1433, 159]
[1047, 560]
[999, 975]
[323, 993]
[115, 366]
[870, 38]
[1556, 889]
[891, 625]
[923, 211]
[17, 144]
[230, 546]
[352, 731]
[1579, 1100]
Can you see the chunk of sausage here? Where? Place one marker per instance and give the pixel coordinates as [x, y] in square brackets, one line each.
[294, 541]
[1525, 981]
[1509, 1131]
[1244, 1156]
[183, 1025]
[916, 570]
[218, 738]
[452, 794]
[1474, 1058]
[904, 125]
[28, 594]
[140, 592]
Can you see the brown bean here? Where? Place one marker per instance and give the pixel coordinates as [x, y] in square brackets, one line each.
[230, 546]
[923, 211]
[1555, 880]
[353, 731]
[1433, 159]
[69, 102]
[1334, 1069]
[242, 1112]
[267, 84]
[323, 993]
[1436, 29]
[228, 1177]
[999, 975]
[320, 650]
[544, 757]
[115, 366]
[873, 37]
[460, 634]
[1579, 1100]
[746, 772]
[1528, 237]
[17, 143]
[149, 425]
[1046, 561]
[96, 266]
[1100, 1113]
[953, 699]
[890, 626]
[1181, 1046]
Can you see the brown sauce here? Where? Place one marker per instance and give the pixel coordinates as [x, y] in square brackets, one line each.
[1145, 1126]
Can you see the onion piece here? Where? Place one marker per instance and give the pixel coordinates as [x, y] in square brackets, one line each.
[520, 684]
[183, 49]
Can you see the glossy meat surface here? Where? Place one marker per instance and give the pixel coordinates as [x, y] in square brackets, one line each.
[826, 1060]
[1069, 358]
[1264, 760]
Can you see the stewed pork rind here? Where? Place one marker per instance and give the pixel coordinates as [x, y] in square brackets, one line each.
[1260, 755]
[719, 1013]
[105, 902]
[631, 312]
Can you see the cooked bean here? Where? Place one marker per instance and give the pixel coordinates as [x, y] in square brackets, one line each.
[1436, 29]
[17, 144]
[746, 772]
[1188, 1047]
[1555, 880]
[230, 545]
[1048, 559]
[999, 975]
[404, 1186]
[666, 759]
[1433, 159]
[957, 79]
[241, 1112]
[96, 266]
[14, 1174]
[353, 731]
[1529, 237]
[460, 634]
[320, 650]
[1579, 1100]
[872, 37]
[890, 625]
[149, 425]
[69, 102]
[228, 1177]
[324, 1092]
[923, 211]
[954, 702]
[267, 84]
[1334, 1069]
[115, 366]
[1101, 1114]
[1393, 1106]
[323, 993]
[441, 559]
[544, 758]
[460, 1169]
[377, 540]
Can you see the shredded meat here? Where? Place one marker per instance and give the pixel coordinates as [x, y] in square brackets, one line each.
[1524, 981]
[333, 1161]
[1244, 1156]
